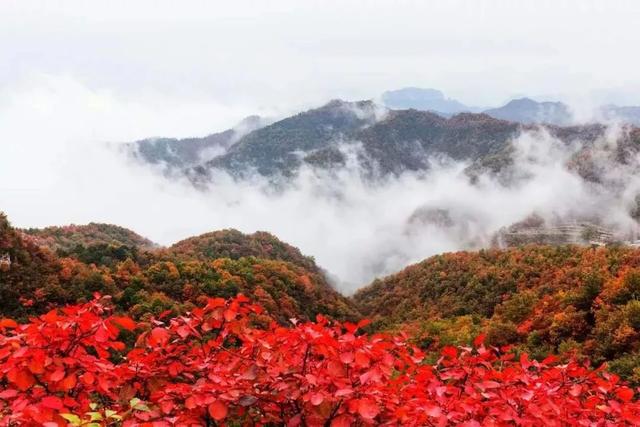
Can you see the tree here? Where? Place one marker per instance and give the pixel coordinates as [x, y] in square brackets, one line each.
[219, 366]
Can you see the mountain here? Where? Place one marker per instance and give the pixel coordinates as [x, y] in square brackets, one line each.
[527, 111]
[175, 154]
[278, 149]
[385, 141]
[423, 99]
[144, 280]
[405, 140]
[382, 142]
[542, 299]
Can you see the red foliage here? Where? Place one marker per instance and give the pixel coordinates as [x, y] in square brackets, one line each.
[216, 365]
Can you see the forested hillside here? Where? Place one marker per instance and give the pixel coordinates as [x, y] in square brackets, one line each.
[543, 299]
[387, 142]
[234, 244]
[145, 281]
[72, 238]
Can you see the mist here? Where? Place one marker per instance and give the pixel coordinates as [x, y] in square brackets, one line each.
[58, 166]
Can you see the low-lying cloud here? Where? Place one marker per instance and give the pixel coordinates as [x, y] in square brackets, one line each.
[56, 169]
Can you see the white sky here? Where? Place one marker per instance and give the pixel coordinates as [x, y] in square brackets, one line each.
[290, 54]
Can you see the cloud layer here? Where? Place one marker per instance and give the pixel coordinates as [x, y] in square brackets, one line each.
[55, 168]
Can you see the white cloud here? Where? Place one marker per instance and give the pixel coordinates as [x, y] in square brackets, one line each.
[55, 169]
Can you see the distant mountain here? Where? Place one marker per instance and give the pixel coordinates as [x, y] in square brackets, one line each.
[423, 99]
[385, 142]
[523, 110]
[406, 139]
[629, 115]
[175, 154]
[378, 142]
[528, 111]
[382, 142]
[280, 147]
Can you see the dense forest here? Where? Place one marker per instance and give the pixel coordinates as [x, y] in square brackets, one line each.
[99, 326]
[147, 282]
[542, 299]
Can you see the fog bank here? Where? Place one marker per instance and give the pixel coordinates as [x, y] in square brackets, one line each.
[56, 168]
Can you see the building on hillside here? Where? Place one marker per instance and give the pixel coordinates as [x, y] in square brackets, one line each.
[574, 232]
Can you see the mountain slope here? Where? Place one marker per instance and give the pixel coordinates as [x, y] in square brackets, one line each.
[149, 281]
[66, 238]
[406, 139]
[389, 143]
[276, 149]
[394, 142]
[172, 153]
[234, 244]
[541, 298]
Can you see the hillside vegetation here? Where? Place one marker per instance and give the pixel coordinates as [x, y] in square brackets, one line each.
[67, 238]
[144, 282]
[234, 244]
[172, 335]
[543, 299]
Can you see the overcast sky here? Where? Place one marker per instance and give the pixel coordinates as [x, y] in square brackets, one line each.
[285, 55]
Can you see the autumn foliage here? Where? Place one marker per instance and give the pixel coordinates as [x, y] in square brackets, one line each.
[226, 364]
[575, 300]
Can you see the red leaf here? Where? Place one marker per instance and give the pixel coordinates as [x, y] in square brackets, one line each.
[229, 315]
[57, 375]
[8, 394]
[363, 323]
[625, 394]
[183, 331]
[36, 365]
[164, 314]
[362, 360]
[125, 323]
[52, 402]
[8, 323]
[432, 410]
[166, 406]
[317, 399]
[102, 334]
[450, 352]
[368, 409]
[479, 340]
[158, 337]
[218, 410]
[342, 421]
[22, 379]
[343, 392]
[68, 383]
[346, 357]
[87, 378]
[335, 369]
